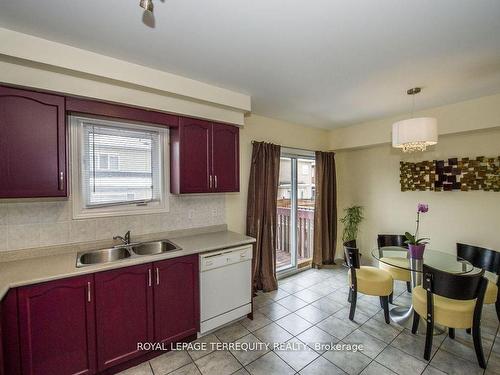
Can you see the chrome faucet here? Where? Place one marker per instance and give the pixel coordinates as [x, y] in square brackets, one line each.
[125, 239]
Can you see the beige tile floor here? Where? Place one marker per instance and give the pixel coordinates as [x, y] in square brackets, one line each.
[310, 308]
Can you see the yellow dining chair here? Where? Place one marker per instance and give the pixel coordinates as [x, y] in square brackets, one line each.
[367, 280]
[488, 260]
[451, 300]
[397, 273]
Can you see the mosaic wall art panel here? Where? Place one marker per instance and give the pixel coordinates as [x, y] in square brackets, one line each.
[464, 174]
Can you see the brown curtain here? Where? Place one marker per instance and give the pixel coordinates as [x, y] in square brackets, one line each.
[261, 213]
[325, 210]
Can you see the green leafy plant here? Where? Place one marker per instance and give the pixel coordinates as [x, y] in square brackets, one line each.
[410, 240]
[353, 217]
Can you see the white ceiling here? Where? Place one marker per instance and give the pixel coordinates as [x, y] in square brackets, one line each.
[324, 63]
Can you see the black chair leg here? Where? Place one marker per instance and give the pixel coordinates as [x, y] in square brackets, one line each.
[468, 330]
[478, 345]
[384, 301]
[416, 320]
[451, 333]
[391, 296]
[497, 307]
[408, 287]
[353, 305]
[349, 297]
[429, 335]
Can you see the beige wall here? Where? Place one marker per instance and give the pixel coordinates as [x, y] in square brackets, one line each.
[367, 176]
[370, 177]
[260, 128]
[472, 115]
[29, 61]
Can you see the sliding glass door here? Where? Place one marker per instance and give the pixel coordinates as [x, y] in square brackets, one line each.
[295, 213]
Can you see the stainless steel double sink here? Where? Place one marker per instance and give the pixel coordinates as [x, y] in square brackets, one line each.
[122, 252]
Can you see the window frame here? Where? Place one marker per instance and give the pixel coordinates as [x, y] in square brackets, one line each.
[77, 193]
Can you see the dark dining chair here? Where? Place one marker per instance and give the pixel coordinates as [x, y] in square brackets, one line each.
[351, 243]
[367, 280]
[453, 301]
[397, 273]
[488, 260]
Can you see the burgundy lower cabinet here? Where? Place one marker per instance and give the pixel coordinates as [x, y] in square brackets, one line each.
[10, 334]
[92, 324]
[176, 299]
[56, 327]
[2, 367]
[124, 313]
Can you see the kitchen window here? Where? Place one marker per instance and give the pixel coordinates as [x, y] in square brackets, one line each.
[110, 162]
[118, 168]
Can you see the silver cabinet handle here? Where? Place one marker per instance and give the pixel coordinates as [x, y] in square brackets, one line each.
[157, 276]
[61, 180]
[89, 296]
[210, 181]
[216, 181]
[149, 277]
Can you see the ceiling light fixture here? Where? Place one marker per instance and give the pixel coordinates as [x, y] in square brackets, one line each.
[414, 134]
[147, 5]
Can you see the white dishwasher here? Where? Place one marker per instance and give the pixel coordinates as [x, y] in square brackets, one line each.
[225, 286]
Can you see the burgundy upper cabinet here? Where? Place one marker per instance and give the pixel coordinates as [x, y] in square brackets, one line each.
[204, 157]
[190, 156]
[32, 144]
[225, 158]
[176, 298]
[124, 313]
[56, 327]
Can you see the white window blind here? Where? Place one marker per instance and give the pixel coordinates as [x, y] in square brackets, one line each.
[120, 164]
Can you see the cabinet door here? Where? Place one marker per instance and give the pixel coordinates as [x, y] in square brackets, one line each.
[124, 313]
[195, 145]
[225, 158]
[1, 346]
[57, 327]
[32, 144]
[176, 296]
[10, 333]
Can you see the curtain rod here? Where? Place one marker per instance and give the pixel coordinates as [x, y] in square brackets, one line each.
[293, 148]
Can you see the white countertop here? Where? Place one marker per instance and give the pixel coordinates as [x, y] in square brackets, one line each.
[51, 267]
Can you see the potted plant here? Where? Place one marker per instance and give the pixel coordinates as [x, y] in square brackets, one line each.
[416, 246]
[353, 217]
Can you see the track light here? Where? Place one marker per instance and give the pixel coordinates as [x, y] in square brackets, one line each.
[146, 5]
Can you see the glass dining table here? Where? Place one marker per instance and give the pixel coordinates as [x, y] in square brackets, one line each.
[398, 257]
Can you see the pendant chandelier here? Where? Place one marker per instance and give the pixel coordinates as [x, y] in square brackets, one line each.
[414, 134]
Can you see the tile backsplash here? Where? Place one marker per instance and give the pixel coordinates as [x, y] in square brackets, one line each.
[34, 224]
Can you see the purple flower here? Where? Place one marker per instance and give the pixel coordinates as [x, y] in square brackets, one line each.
[422, 207]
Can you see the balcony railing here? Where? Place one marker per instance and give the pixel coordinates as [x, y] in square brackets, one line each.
[305, 233]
